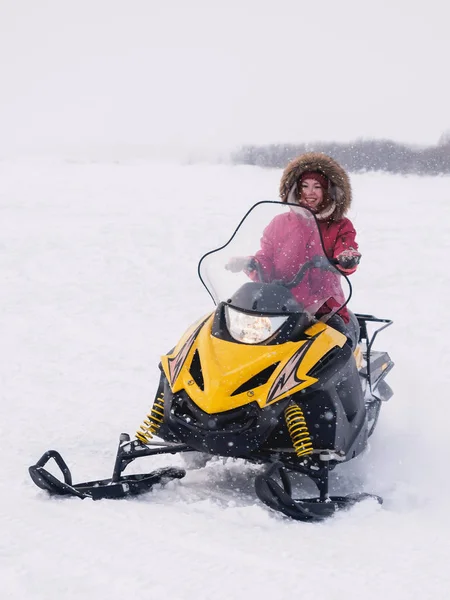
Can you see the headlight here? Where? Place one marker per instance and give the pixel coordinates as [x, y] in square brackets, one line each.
[251, 329]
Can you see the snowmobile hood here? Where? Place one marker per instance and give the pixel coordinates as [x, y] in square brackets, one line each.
[339, 190]
[229, 371]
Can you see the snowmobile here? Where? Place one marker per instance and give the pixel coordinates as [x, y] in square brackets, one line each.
[261, 378]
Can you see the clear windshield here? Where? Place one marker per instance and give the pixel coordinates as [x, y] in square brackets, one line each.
[276, 242]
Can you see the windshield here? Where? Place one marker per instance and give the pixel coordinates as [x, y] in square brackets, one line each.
[276, 243]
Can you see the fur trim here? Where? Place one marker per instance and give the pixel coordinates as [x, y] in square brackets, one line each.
[339, 188]
[326, 214]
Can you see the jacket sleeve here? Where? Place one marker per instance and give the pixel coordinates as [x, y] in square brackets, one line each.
[265, 254]
[345, 240]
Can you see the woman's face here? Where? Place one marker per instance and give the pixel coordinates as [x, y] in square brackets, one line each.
[311, 194]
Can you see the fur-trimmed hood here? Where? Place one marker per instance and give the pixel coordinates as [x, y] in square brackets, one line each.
[339, 188]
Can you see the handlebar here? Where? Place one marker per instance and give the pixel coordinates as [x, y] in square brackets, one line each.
[318, 262]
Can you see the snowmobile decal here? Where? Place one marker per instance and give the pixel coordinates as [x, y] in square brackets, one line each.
[288, 379]
[175, 363]
[294, 375]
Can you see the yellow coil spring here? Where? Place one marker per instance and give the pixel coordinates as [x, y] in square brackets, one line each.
[153, 422]
[298, 430]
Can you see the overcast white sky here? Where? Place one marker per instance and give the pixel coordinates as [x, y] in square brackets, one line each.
[215, 74]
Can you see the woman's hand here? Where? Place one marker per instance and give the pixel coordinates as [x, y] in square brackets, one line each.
[349, 259]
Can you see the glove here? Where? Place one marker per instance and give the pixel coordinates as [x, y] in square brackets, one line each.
[348, 259]
[240, 263]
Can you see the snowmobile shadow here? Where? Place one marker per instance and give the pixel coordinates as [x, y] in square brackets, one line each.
[231, 482]
[225, 482]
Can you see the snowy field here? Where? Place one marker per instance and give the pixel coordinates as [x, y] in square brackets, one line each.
[98, 265]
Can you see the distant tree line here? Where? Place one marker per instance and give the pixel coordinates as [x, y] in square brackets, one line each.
[357, 156]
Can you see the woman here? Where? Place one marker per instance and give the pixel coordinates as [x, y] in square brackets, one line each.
[317, 182]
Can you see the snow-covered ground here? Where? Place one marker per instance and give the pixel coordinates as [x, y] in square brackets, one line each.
[98, 266]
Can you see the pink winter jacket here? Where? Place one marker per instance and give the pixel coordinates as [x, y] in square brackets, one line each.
[281, 254]
[338, 236]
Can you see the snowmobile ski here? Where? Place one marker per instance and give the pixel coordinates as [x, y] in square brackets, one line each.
[118, 486]
[279, 497]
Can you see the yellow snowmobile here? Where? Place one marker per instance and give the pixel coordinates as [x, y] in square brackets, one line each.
[261, 378]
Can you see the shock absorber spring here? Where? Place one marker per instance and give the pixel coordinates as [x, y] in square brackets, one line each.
[152, 422]
[298, 430]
